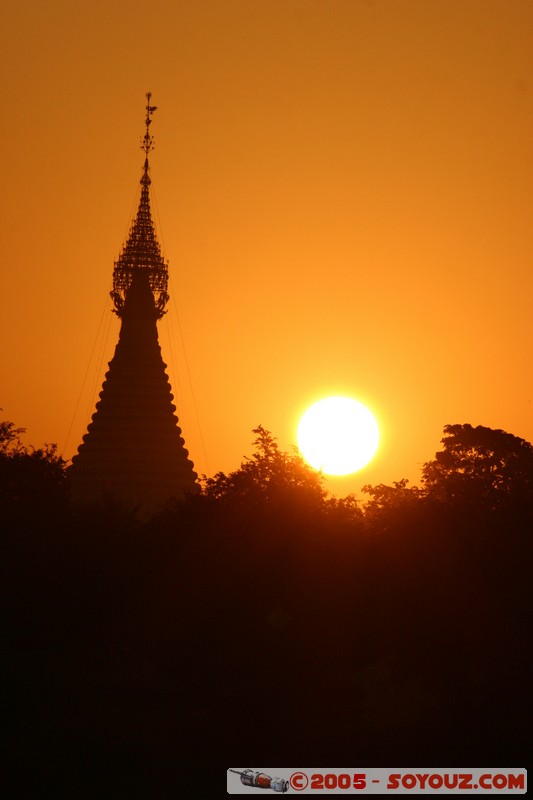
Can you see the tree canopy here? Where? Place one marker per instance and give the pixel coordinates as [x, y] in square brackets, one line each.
[31, 479]
[269, 475]
[279, 481]
[363, 628]
[480, 466]
[477, 467]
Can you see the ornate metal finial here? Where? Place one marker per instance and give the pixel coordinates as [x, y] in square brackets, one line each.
[141, 250]
[147, 142]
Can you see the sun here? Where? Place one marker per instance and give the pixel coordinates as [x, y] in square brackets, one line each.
[338, 435]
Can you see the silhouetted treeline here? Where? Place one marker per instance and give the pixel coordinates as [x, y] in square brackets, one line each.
[262, 621]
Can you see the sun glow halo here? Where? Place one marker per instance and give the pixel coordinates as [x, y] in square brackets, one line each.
[338, 435]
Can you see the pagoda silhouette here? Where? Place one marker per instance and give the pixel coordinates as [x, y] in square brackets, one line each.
[133, 450]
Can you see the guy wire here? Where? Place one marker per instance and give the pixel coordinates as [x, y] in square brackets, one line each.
[173, 296]
[85, 376]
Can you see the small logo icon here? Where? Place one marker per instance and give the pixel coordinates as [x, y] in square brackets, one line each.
[261, 781]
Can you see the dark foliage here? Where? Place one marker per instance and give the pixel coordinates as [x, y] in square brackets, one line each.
[31, 481]
[263, 621]
[481, 467]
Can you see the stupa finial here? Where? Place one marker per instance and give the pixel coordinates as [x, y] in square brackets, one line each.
[141, 250]
[147, 142]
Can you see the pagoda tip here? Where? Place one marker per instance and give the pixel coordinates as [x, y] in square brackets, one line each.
[147, 142]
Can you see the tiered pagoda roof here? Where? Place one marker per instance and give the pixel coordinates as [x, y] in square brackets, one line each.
[133, 448]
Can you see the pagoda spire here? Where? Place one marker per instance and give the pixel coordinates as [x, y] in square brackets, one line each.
[133, 448]
[142, 250]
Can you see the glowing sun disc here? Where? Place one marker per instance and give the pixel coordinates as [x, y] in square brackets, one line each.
[338, 435]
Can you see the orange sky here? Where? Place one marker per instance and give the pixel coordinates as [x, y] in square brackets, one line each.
[345, 196]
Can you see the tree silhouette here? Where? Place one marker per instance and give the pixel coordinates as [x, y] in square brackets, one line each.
[264, 590]
[280, 482]
[31, 479]
[480, 466]
[269, 476]
[389, 504]
[10, 438]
